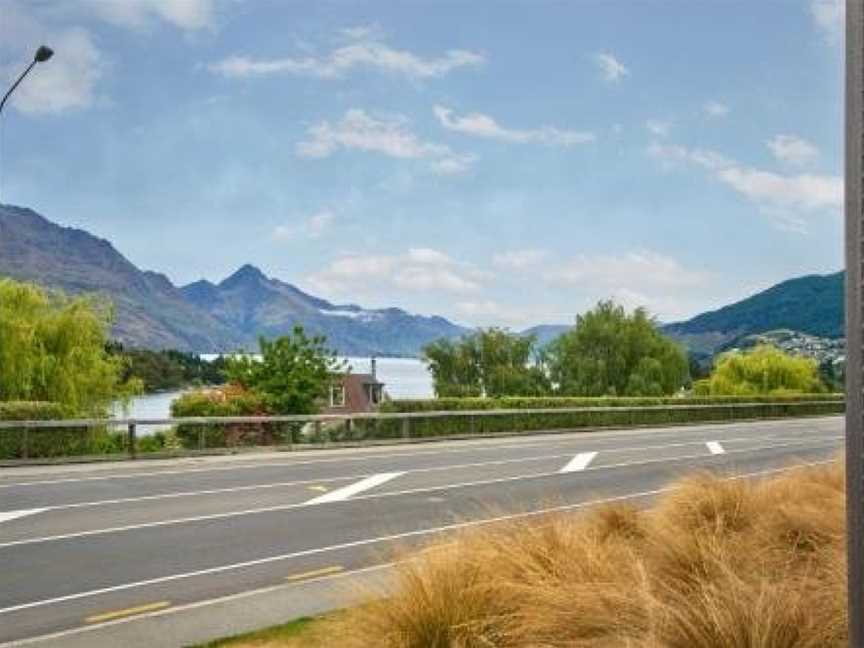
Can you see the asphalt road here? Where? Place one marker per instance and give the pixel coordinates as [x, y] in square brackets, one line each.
[86, 546]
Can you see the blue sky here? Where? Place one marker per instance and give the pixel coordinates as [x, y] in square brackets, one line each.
[500, 163]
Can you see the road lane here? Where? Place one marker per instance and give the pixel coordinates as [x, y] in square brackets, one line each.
[294, 538]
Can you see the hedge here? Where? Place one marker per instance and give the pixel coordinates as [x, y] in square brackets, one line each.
[552, 402]
[771, 407]
[20, 443]
[226, 403]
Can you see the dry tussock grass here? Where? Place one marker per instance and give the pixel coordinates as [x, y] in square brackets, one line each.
[716, 564]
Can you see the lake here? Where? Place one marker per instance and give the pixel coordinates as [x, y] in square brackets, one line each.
[402, 378]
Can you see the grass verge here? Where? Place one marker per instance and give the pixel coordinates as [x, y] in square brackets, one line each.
[305, 632]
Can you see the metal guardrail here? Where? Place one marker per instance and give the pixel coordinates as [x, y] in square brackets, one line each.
[311, 418]
[731, 411]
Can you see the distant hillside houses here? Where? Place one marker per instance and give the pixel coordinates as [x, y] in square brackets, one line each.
[823, 350]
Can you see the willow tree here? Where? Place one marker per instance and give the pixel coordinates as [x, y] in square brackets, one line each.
[53, 348]
[763, 370]
[614, 353]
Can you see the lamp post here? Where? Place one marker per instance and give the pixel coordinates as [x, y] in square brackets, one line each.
[854, 208]
[42, 54]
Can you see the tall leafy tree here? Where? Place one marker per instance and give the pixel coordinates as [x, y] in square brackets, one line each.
[54, 348]
[292, 375]
[763, 370]
[612, 353]
[492, 362]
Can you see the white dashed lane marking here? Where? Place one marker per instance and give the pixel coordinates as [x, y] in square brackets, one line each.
[715, 447]
[345, 492]
[579, 462]
[7, 516]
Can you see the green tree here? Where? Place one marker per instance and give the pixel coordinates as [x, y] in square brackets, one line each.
[491, 362]
[455, 368]
[763, 370]
[54, 348]
[612, 353]
[292, 375]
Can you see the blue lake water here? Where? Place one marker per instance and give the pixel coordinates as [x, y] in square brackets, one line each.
[402, 377]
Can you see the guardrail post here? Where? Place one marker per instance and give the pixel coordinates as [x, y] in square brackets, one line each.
[131, 441]
[348, 430]
[318, 434]
[472, 425]
[202, 441]
[406, 428]
[25, 450]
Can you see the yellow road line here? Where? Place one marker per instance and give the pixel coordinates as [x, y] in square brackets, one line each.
[324, 571]
[116, 614]
[322, 489]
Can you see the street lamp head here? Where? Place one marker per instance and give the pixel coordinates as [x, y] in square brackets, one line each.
[43, 54]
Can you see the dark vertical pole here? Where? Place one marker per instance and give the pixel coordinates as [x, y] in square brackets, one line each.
[854, 347]
[131, 436]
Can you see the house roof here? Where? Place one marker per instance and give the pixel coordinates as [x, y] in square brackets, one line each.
[363, 378]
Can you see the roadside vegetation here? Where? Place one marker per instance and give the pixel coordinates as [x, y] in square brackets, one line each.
[169, 369]
[764, 370]
[56, 361]
[54, 364]
[53, 349]
[304, 632]
[716, 564]
[611, 353]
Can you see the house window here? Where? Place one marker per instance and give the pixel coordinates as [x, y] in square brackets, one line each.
[375, 394]
[337, 395]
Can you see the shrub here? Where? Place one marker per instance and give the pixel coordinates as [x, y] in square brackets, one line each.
[717, 564]
[764, 370]
[230, 400]
[19, 443]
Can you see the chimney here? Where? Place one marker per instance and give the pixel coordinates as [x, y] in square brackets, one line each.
[372, 363]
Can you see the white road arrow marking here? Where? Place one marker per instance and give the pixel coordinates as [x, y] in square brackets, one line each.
[715, 447]
[345, 492]
[6, 516]
[579, 462]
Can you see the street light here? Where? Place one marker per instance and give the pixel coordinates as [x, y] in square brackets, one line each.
[42, 54]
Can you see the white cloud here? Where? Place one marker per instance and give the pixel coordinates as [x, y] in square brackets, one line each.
[634, 271]
[188, 15]
[365, 51]
[672, 153]
[490, 312]
[312, 227]
[613, 70]
[387, 135]
[784, 198]
[422, 270]
[480, 125]
[792, 149]
[520, 259]
[715, 109]
[658, 128]
[808, 192]
[639, 278]
[829, 16]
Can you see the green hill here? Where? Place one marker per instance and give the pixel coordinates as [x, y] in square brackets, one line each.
[812, 304]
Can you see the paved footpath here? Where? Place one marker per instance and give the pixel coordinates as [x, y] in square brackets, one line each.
[171, 552]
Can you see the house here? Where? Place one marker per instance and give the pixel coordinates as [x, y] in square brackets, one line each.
[354, 393]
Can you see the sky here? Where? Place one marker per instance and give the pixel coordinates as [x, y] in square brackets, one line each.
[498, 163]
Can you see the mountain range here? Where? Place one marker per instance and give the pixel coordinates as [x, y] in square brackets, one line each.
[203, 316]
[152, 312]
